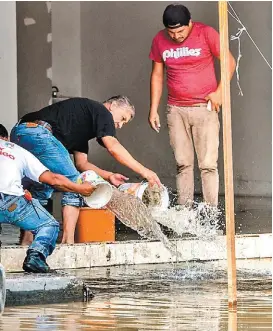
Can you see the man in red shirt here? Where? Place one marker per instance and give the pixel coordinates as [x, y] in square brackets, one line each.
[187, 50]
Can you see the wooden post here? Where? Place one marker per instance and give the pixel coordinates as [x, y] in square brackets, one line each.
[232, 320]
[227, 145]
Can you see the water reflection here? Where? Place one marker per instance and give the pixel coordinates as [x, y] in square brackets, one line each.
[157, 298]
[137, 313]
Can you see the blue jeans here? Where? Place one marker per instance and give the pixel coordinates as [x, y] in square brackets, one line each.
[51, 153]
[21, 213]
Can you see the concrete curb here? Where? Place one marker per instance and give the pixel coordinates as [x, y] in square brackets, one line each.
[23, 288]
[141, 252]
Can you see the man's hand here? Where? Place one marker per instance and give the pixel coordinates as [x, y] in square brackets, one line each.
[117, 179]
[86, 189]
[154, 122]
[151, 177]
[216, 100]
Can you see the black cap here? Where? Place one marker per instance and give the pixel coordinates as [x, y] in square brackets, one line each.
[176, 15]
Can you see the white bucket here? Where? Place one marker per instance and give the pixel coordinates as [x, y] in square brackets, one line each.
[137, 189]
[103, 192]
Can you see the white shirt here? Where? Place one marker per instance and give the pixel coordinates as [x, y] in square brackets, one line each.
[16, 163]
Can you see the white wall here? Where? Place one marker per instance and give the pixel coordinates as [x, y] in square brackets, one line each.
[8, 65]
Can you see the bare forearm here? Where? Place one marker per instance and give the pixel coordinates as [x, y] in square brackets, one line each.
[156, 87]
[67, 186]
[61, 183]
[126, 159]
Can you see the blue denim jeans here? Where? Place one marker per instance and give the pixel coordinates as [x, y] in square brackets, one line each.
[32, 217]
[50, 151]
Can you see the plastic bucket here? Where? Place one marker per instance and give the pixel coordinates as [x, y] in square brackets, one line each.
[138, 189]
[103, 193]
[95, 225]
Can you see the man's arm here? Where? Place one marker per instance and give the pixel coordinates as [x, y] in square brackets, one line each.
[156, 87]
[82, 164]
[37, 172]
[216, 96]
[124, 157]
[61, 183]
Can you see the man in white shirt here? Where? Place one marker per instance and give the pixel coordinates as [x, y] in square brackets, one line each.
[17, 206]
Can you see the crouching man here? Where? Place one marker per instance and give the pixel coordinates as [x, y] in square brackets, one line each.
[17, 206]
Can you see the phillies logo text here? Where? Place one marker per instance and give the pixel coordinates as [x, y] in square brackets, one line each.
[180, 52]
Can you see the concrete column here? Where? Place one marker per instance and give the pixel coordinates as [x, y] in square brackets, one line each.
[66, 47]
[34, 55]
[8, 65]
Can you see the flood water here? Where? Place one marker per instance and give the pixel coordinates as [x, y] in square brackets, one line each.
[184, 296]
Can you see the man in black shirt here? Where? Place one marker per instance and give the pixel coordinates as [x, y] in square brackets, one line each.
[64, 128]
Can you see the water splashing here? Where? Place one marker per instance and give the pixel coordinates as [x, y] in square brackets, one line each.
[199, 220]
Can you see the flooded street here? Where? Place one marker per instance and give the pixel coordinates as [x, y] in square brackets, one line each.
[186, 296]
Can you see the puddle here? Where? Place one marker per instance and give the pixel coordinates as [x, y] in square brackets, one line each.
[188, 297]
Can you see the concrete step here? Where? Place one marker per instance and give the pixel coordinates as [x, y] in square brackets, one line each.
[141, 252]
[30, 289]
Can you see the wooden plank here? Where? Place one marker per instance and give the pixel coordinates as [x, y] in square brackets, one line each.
[227, 145]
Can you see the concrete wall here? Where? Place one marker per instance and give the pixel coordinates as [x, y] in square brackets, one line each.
[115, 43]
[34, 55]
[8, 80]
[101, 49]
[252, 112]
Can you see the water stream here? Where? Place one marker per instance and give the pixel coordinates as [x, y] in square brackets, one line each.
[133, 213]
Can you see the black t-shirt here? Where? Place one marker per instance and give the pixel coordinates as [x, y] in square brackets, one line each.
[75, 121]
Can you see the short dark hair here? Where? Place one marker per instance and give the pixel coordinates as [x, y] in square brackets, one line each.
[3, 131]
[176, 15]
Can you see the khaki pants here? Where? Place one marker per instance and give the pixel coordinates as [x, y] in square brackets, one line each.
[189, 128]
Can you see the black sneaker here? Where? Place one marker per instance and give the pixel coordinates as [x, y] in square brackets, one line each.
[35, 262]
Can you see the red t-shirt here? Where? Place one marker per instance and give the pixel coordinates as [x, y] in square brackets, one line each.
[189, 65]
